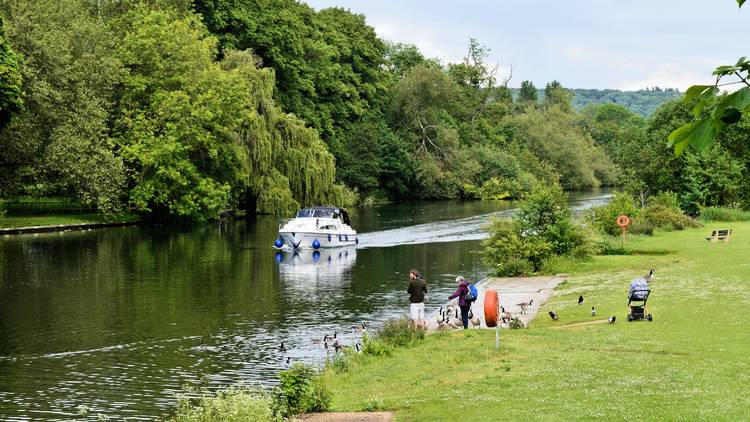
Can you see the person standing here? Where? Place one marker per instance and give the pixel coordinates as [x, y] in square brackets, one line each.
[417, 290]
[461, 293]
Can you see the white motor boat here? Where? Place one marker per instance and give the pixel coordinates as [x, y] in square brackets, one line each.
[315, 228]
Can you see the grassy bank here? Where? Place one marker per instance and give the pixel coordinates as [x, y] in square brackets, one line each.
[691, 363]
[17, 221]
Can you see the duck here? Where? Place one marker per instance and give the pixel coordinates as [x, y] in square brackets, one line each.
[553, 315]
[525, 305]
[593, 311]
[580, 300]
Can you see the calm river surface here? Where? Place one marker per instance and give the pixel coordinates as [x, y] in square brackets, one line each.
[121, 319]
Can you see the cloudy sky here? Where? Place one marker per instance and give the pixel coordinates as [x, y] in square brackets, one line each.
[623, 44]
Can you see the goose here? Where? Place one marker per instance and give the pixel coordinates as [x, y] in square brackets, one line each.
[649, 276]
[505, 316]
[440, 318]
[360, 328]
[593, 311]
[580, 300]
[612, 319]
[525, 305]
[475, 321]
[282, 348]
[320, 340]
[471, 314]
[553, 315]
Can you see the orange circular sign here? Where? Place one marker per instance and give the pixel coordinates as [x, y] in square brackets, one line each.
[623, 221]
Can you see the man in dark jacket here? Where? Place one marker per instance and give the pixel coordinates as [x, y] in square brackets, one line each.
[417, 289]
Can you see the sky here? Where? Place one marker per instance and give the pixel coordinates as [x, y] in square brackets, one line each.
[619, 44]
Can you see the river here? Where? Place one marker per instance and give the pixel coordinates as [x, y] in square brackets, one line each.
[121, 319]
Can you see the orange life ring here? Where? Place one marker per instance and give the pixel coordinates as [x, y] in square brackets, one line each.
[623, 221]
[491, 307]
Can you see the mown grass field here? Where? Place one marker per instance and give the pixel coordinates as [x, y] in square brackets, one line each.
[691, 363]
[15, 221]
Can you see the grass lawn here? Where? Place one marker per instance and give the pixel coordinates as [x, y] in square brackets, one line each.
[691, 363]
[15, 221]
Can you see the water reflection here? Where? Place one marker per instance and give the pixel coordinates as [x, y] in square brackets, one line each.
[308, 270]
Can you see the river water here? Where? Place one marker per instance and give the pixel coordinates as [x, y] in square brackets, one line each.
[121, 319]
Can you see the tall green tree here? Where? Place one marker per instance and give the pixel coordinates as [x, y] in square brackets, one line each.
[60, 143]
[556, 95]
[201, 135]
[10, 79]
[527, 94]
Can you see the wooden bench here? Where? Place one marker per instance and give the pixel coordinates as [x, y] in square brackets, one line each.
[724, 235]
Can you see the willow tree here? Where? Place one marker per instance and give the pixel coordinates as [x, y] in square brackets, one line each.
[200, 134]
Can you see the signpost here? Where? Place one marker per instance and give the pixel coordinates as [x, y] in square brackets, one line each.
[623, 221]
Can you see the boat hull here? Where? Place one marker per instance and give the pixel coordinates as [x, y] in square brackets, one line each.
[303, 240]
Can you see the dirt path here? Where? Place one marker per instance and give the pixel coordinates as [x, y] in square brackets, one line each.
[513, 290]
[348, 417]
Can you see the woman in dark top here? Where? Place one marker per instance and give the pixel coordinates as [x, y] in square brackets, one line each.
[460, 293]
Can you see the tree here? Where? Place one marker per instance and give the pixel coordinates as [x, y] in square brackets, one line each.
[527, 94]
[201, 134]
[556, 95]
[10, 80]
[60, 144]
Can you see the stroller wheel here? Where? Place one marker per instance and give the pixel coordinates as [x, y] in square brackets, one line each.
[630, 317]
[650, 317]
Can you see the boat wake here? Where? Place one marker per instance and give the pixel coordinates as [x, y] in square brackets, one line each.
[470, 228]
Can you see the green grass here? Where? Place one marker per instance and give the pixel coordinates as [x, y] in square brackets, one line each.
[16, 221]
[691, 363]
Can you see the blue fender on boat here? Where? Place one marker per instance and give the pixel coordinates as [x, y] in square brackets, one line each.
[316, 244]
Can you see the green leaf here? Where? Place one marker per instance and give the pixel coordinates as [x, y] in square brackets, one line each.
[698, 134]
[724, 70]
[731, 116]
[738, 99]
[740, 3]
[695, 91]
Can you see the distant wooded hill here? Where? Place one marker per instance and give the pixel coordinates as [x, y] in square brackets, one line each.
[643, 101]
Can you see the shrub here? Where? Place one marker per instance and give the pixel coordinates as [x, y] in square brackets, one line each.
[510, 253]
[300, 390]
[723, 214]
[400, 332]
[662, 217]
[236, 404]
[373, 347]
[604, 218]
[495, 189]
[641, 227]
[542, 229]
[665, 199]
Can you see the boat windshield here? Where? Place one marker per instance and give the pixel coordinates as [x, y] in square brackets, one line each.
[318, 213]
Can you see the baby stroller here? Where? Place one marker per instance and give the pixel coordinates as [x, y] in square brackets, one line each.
[637, 305]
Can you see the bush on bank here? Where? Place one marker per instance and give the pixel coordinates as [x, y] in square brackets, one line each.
[300, 390]
[542, 228]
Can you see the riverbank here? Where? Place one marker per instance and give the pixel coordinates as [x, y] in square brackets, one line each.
[19, 224]
[689, 363]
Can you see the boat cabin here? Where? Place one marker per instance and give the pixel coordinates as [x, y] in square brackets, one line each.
[324, 212]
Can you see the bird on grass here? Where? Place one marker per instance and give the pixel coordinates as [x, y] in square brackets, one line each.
[580, 300]
[593, 311]
[475, 321]
[612, 319]
[525, 305]
[553, 315]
